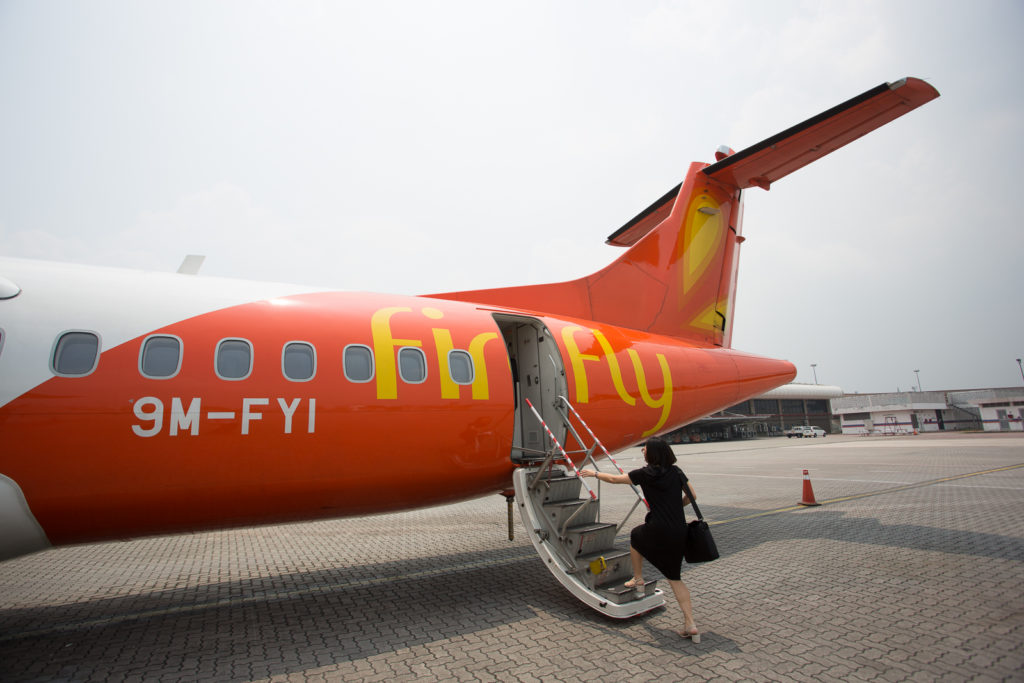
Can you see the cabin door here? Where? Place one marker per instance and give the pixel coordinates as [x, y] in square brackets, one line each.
[538, 375]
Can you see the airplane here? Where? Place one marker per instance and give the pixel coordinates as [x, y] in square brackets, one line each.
[143, 403]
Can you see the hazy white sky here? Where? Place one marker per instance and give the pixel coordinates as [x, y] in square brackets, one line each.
[418, 147]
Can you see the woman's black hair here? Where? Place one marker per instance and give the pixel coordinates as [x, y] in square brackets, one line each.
[658, 452]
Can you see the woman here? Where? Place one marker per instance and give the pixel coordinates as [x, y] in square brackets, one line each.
[661, 539]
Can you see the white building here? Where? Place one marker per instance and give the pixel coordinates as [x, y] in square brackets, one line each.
[1002, 410]
[930, 411]
[896, 413]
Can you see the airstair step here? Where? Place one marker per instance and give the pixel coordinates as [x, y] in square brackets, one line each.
[620, 594]
[562, 510]
[616, 563]
[559, 489]
[552, 472]
[587, 539]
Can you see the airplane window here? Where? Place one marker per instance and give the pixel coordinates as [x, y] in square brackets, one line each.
[234, 359]
[412, 365]
[76, 354]
[160, 357]
[298, 361]
[358, 363]
[460, 366]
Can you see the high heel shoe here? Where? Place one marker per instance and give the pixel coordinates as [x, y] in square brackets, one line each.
[693, 634]
[634, 583]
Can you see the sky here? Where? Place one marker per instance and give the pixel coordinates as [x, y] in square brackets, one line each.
[415, 147]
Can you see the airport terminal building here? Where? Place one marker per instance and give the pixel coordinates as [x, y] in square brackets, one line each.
[769, 414]
[909, 412]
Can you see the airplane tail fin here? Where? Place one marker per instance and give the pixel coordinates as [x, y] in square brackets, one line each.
[678, 275]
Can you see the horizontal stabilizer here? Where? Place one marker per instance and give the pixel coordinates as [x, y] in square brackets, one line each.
[762, 164]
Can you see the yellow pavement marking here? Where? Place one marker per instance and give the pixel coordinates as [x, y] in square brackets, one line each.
[843, 499]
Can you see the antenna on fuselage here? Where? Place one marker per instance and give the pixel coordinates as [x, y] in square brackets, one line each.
[191, 264]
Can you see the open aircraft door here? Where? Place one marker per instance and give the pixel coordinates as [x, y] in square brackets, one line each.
[538, 374]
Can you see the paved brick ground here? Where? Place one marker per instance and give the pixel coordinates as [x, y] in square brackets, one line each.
[916, 575]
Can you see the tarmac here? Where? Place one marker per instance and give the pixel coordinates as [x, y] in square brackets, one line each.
[910, 569]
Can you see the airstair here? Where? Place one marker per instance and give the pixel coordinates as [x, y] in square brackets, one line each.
[562, 516]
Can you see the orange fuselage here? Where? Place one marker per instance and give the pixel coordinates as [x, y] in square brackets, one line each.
[117, 454]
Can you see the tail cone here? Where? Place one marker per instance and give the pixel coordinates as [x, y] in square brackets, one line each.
[808, 498]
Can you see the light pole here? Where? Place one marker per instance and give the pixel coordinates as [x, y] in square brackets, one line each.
[918, 373]
[815, 365]
[1021, 368]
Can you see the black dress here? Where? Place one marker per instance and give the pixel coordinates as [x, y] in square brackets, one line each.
[661, 539]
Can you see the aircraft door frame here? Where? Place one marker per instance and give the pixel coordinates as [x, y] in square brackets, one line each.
[538, 374]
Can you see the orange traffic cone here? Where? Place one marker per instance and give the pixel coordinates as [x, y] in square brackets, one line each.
[808, 499]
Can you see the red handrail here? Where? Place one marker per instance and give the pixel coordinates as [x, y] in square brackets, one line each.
[598, 442]
[565, 455]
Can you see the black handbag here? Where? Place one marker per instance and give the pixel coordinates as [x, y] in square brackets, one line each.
[700, 546]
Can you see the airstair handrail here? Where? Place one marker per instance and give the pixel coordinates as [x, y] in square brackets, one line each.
[589, 457]
[593, 496]
[597, 442]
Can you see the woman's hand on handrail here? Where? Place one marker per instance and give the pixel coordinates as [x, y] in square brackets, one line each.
[605, 477]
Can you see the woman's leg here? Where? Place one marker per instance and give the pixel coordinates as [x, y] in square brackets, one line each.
[638, 564]
[636, 537]
[682, 594]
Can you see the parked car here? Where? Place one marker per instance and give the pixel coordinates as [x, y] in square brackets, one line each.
[801, 431]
